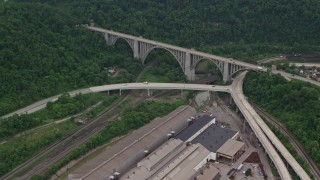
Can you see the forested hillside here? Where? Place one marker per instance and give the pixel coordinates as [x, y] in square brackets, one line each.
[238, 28]
[295, 104]
[42, 53]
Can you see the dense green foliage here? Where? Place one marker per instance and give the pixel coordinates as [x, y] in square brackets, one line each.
[22, 148]
[63, 107]
[42, 54]
[242, 28]
[295, 104]
[25, 145]
[165, 68]
[131, 119]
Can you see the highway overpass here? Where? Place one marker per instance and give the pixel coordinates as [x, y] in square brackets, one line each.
[125, 86]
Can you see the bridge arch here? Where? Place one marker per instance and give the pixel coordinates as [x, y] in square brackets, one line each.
[175, 55]
[130, 42]
[219, 64]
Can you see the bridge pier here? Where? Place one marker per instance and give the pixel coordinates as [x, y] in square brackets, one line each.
[149, 93]
[107, 38]
[188, 71]
[136, 53]
[230, 100]
[226, 76]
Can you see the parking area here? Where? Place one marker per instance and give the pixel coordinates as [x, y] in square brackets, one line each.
[229, 119]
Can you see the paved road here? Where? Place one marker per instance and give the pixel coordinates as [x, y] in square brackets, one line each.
[167, 86]
[263, 133]
[42, 104]
[306, 64]
[271, 59]
[289, 76]
[293, 140]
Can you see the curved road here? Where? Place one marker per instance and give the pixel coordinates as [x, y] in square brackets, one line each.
[126, 86]
[306, 64]
[264, 134]
[293, 140]
[289, 76]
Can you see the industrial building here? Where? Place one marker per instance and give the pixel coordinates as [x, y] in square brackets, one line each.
[128, 151]
[179, 147]
[231, 151]
[187, 155]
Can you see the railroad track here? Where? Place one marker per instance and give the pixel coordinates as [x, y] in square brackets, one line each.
[63, 146]
[293, 140]
[66, 140]
[56, 157]
[69, 138]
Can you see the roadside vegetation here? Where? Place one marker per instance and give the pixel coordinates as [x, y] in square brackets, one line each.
[286, 142]
[65, 106]
[295, 104]
[43, 52]
[21, 147]
[131, 119]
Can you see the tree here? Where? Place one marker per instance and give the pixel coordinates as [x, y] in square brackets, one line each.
[248, 172]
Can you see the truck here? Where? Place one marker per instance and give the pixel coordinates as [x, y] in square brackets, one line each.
[240, 167]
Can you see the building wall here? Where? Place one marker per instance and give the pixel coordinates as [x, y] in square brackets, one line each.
[211, 156]
[235, 137]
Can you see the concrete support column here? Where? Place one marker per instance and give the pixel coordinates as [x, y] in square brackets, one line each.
[226, 71]
[231, 100]
[181, 94]
[148, 92]
[187, 67]
[120, 92]
[244, 126]
[232, 69]
[136, 49]
[237, 109]
[107, 38]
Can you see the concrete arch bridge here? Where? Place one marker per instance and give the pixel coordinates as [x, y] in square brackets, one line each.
[187, 58]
